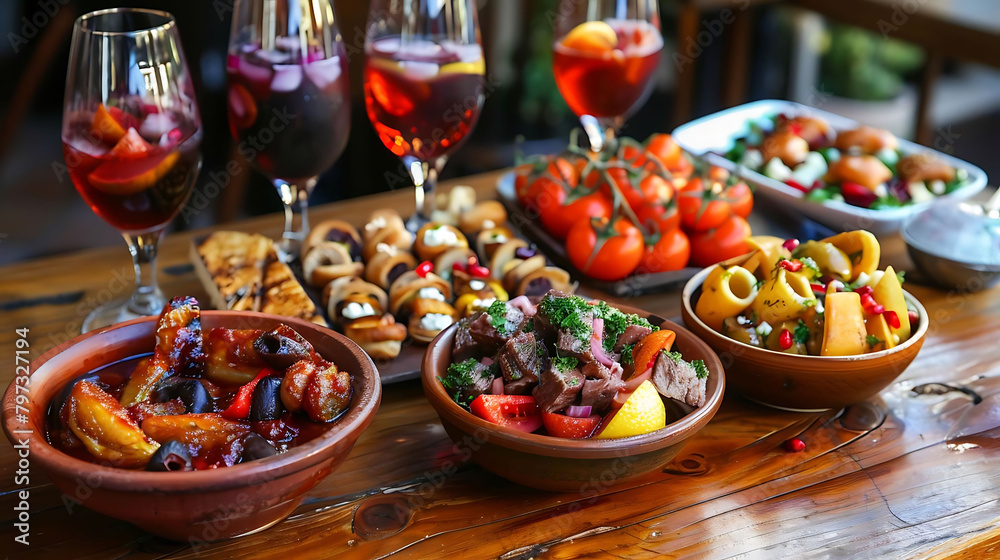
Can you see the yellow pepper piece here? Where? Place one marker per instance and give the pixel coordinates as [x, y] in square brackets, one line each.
[785, 297]
[889, 293]
[876, 326]
[861, 247]
[771, 251]
[725, 293]
[844, 328]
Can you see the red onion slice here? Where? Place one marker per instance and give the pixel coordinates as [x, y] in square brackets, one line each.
[597, 343]
[578, 411]
[525, 305]
[497, 387]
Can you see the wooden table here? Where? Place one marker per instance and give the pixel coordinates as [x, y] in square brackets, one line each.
[905, 488]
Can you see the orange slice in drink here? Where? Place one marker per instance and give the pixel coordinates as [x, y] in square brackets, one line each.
[595, 37]
[111, 123]
[123, 177]
[130, 146]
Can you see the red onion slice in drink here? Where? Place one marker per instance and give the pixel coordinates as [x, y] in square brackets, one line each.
[287, 77]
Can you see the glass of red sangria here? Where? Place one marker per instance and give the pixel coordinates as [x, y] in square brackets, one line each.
[289, 99]
[424, 89]
[604, 57]
[131, 134]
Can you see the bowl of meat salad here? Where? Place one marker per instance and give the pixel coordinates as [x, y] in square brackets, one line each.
[557, 395]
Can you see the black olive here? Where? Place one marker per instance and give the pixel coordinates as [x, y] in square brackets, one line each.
[341, 236]
[538, 287]
[57, 402]
[192, 393]
[282, 347]
[256, 447]
[266, 401]
[524, 253]
[171, 456]
[396, 272]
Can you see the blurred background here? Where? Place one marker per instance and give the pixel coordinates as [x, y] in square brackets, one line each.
[925, 69]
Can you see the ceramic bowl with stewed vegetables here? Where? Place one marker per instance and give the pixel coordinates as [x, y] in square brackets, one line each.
[195, 425]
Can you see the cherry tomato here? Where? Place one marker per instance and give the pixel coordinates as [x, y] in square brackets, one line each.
[724, 242]
[665, 149]
[520, 412]
[558, 219]
[658, 217]
[522, 178]
[623, 181]
[560, 425]
[564, 171]
[670, 252]
[655, 188]
[740, 199]
[545, 195]
[605, 253]
[701, 210]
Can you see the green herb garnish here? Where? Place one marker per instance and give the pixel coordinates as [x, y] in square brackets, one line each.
[627, 354]
[459, 375]
[498, 316]
[873, 340]
[900, 276]
[564, 364]
[801, 334]
[615, 323]
[700, 368]
[808, 262]
[565, 312]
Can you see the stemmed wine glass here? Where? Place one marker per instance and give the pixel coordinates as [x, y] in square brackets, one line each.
[605, 55]
[423, 85]
[131, 134]
[289, 99]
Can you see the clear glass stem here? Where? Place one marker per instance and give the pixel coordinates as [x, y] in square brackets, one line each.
[424, 175]
[147, 299]
[602, 132]
[296, 201]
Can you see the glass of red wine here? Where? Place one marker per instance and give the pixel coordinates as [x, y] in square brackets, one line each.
[289, 99]
[424, 73]
[131, 134]
[604, 57]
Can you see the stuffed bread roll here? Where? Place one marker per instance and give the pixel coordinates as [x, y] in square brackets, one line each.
[348, 299]
[381, 337]
[410, 285]
[537, 283]
[429, 317]
[435, 238]
[337, 231]
[327, 261]
[387, 265]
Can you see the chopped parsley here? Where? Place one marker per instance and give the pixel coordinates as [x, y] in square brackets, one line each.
[801, 333]
[627, 354]
[809, 263]
[565, 313]
[872, 340]
[899, 276]
[573, 382]
[498, 316]
[459, 375]
[615, 323]
[675, 355]
[700, 369]
[564, 364]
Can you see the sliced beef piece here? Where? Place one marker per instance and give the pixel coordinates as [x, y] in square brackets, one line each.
[479, 381]
[598, 392]
[545, 331]
[463, 346]
[556, 390]
[678, 380]
[632, 334]
[482, 330]
[595, 369]
[518, 361]
[569, 344]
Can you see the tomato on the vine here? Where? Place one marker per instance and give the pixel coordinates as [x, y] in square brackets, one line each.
[700, 209]
[740, 199]
[657, 217]
[544, 195]
[724, 242]
[670, 252]
[665, 149]
[559, 218]
[603, 251]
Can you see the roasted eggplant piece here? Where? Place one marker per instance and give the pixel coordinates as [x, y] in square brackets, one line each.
[282, 347]
[106, 429]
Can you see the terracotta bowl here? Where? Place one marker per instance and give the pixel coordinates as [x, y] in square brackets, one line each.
[197, 506]
[571, 465]
[803, 383]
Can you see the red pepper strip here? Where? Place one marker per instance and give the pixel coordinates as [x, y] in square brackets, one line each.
[818, 288]
[478, 271]
[240, 408]
[892, 318]
[424, 268]
[785, 340]
[796, 185]
[458, 266]
[791, 266]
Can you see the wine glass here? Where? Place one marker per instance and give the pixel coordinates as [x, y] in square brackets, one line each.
[289, 99]
[424, 73]
[131, 134]
[604, 58]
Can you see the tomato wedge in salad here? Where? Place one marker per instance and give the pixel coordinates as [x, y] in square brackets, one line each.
[520, 412]
[560, 425]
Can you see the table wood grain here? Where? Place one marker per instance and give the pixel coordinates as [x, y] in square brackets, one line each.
[922, 483]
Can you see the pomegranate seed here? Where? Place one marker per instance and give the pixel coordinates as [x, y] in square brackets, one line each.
[878, 309]
[863, 290]
[458, 266]
[795, 445]
[913, 317]
[785, 340]
[790, 244]
[791, 266]
[892, 319]
[478, 271]
[424, 268]
[867, 301]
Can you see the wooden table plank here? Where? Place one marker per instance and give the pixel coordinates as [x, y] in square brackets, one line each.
[910, 487]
